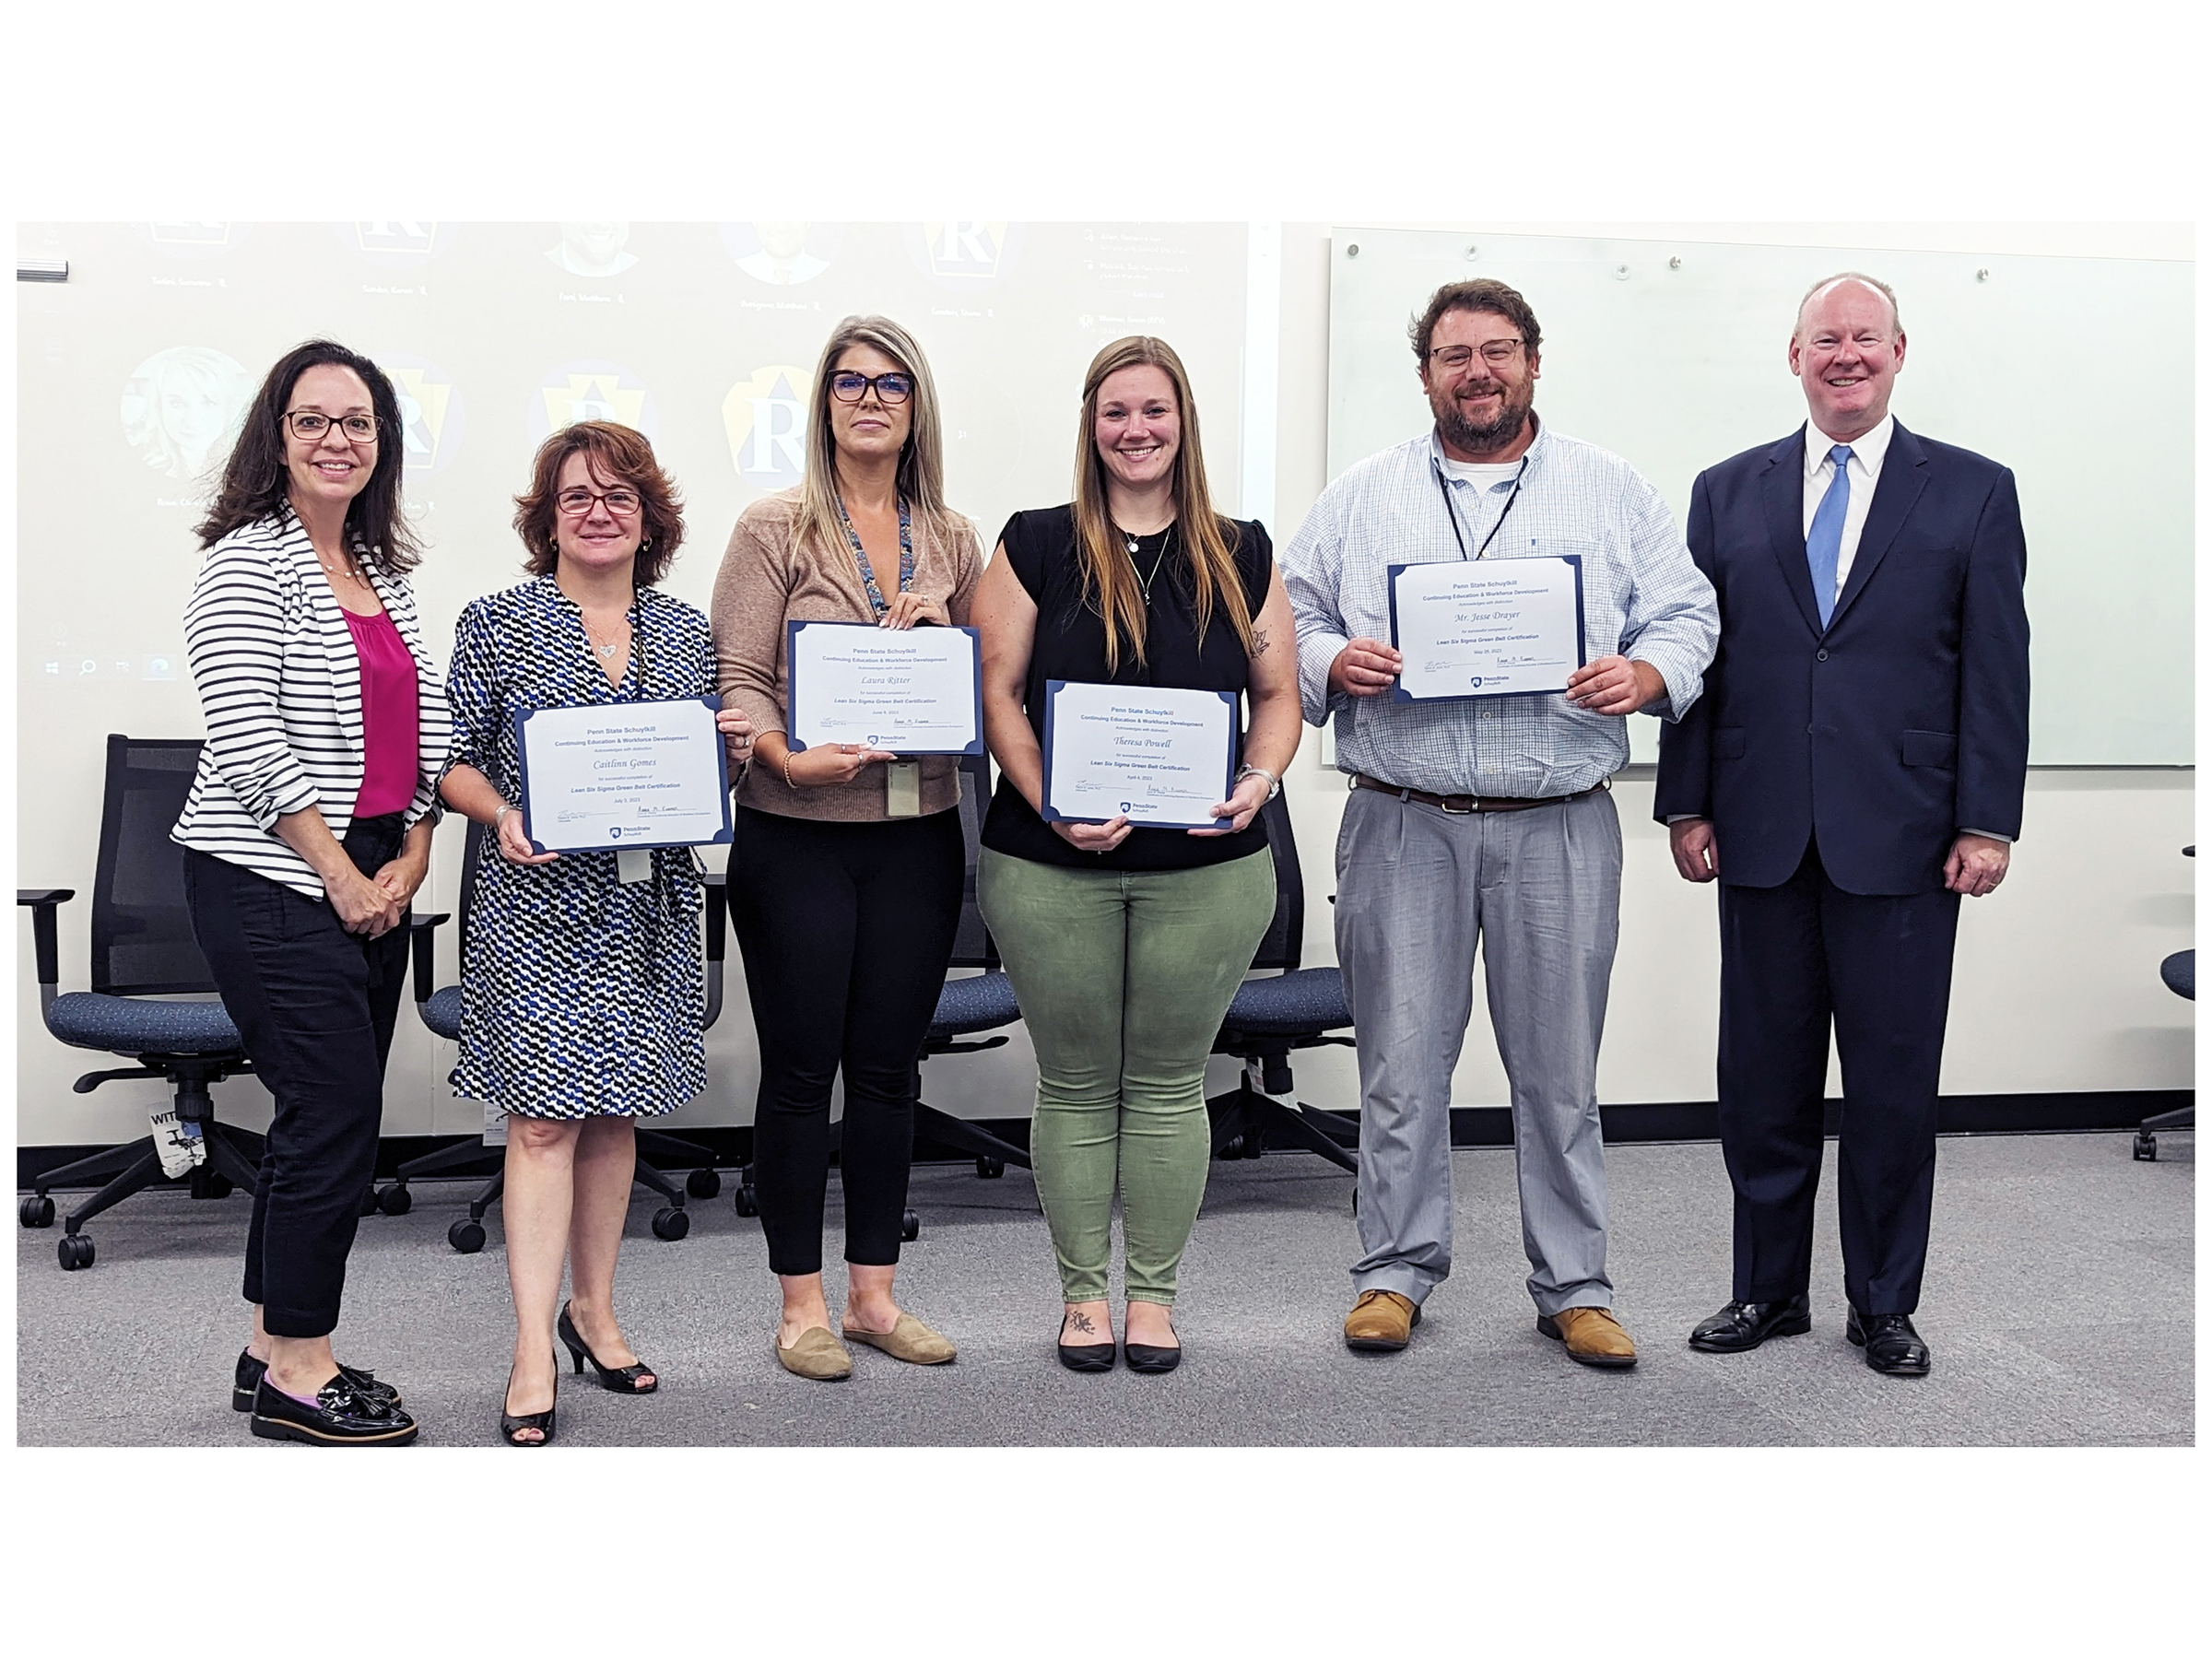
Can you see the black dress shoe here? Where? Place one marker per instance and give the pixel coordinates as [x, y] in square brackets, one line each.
[247, 1378]
[341, 1416]
[1144, 1356]
[619, 1379]
[1743, 1326]
[1893, 1346]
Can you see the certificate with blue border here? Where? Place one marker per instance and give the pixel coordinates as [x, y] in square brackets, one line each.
[910, 691]
[1159, 756]
[1485, 627]
[606, 777]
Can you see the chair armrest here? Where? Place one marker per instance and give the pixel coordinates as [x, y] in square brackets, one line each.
[42, 903]
[718, 919]
[422, 938]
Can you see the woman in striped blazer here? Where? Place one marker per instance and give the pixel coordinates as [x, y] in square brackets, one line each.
[305, 836]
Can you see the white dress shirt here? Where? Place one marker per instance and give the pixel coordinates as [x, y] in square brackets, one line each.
[1865, 472]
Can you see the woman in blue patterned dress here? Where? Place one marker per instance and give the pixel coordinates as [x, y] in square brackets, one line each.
[582, 986]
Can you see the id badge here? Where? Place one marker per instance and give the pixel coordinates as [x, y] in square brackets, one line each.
[633, 864]
[902, 788]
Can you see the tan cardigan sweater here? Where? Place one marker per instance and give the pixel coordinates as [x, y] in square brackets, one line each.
[765, 583]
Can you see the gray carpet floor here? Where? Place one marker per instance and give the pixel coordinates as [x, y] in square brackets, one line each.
[2059, 1305]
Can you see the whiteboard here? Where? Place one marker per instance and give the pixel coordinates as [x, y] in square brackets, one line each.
[2075, 373]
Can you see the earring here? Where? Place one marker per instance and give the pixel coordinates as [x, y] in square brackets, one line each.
[645, 545]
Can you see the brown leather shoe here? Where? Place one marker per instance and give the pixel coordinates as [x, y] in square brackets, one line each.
[1381, 1322]
[1592, 1335]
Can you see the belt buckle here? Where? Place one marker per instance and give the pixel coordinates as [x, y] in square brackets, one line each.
[1443, 805]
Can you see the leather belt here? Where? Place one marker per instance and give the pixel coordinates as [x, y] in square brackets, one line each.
[1467, 802]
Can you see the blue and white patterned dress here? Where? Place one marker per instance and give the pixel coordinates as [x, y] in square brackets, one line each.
[582, 996]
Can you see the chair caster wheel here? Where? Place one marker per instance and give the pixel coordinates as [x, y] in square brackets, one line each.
[1231, 1148]
[1253, 1144]
[989, 1169]
[2146, 1151]
[395, 1200]
[749, 1202]
[703, 1183]
[671, 1224]
[466, 1236]
[36, 1211]
[910, 1227]
[75, 1251]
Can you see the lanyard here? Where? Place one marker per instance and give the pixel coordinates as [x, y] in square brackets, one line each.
[906, 555]
[1452, 514]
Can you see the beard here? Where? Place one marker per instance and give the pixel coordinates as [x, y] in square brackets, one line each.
[1480, 437]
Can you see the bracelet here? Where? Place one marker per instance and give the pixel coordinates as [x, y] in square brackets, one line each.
[504, 808]
[1275, 783]
[787, 782]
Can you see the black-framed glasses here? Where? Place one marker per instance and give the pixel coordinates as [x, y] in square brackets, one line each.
[1497, 353]
[307, 425]
[848, 385]
[578, 502]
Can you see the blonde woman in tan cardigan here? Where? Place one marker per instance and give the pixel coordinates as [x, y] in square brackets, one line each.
[847, 869]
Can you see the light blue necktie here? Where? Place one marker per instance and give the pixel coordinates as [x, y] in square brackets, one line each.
[1824, 541]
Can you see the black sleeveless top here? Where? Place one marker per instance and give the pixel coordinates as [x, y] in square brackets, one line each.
[1071, 645]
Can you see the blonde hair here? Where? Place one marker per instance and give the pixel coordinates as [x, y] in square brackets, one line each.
[921, 461]
[1896, 324]
[1110, 581]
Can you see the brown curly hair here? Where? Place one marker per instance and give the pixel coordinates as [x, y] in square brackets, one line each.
[617, 455]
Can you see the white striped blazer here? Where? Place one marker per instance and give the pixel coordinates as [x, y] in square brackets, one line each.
[280, 693]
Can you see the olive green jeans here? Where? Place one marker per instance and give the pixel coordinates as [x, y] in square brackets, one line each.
[1123, 977]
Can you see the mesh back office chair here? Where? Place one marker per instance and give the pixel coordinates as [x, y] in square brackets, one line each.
[441, 1010]
[967, 1005]
[1269, 1017]
[2179, 972]
[143, 956]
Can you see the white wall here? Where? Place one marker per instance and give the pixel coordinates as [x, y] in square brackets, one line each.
[2057, 979]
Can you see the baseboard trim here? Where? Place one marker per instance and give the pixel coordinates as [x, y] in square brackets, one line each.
[2072, 1113]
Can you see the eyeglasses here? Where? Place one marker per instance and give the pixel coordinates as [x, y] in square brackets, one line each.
[1497, 353]
[308, 425]
[851, 387]
[578, 503]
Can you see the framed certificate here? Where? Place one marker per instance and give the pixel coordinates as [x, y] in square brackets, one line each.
[1485, 627]
[1157, 755]
[614, 776]
[910, 691]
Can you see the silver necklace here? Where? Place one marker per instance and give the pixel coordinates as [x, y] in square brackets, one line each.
[1145, 582]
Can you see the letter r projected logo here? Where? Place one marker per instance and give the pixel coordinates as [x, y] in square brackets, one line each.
[764, 417]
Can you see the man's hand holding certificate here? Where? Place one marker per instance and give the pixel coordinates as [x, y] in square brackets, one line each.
[1155, 756]
[1485, 627]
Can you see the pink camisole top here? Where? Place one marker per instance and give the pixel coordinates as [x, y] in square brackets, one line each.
[389, 715]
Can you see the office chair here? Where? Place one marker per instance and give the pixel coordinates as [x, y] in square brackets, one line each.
[966, 1005]
[1270, 1017]
[144, 956]
[441, 1010]
[2179, 972]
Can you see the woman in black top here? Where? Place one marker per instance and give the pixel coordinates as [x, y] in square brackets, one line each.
[1125, 944]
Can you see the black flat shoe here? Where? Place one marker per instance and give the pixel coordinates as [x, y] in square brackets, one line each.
[341, 1416]
[1144, 1356]
[247, 1378]
[1087, 1356]
[1893, 1346]
[1743, 1326]
[510, 1424]
[615, 1379]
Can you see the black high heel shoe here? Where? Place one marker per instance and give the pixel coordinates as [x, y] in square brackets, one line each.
[510, 1426]
[623, 1381]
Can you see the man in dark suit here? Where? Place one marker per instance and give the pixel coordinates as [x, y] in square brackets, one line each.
[1855, 765]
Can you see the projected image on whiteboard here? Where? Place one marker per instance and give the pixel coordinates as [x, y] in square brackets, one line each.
[782, 253]
[182, 406]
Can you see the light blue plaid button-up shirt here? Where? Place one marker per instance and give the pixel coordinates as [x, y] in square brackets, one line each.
[1641, 598]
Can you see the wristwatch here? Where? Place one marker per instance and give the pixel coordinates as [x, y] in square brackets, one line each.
[1275, 784]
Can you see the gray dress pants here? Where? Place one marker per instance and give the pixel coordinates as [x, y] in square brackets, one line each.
[1416, 887]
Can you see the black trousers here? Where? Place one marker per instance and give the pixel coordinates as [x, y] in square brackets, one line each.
[316, 1005]
[846, 930]
[1793, 958]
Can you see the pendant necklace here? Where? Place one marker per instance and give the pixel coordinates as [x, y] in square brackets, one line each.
[1145, 582]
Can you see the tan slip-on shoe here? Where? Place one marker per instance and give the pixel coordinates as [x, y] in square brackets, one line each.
[1593, 1336]
[909, 1340]
[816, 1355]
[1381, 1322]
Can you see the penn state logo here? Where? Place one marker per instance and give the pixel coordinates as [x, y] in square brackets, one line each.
[429, 411]
[764, 417]
[1474, 679]
[614, 833]
[591, 390]
[964, 254]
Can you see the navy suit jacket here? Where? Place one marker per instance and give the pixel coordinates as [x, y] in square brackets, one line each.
[1901, 723]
